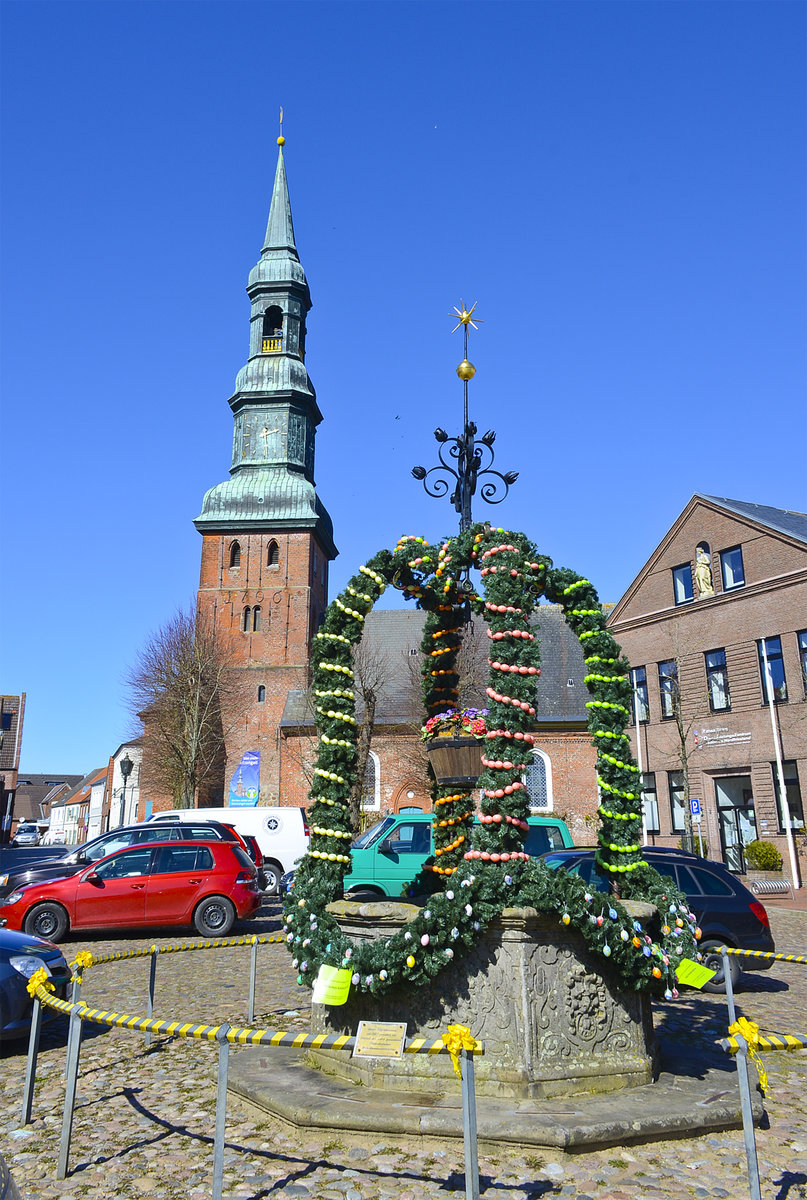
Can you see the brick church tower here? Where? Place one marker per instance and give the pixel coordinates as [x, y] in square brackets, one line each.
[267, 539]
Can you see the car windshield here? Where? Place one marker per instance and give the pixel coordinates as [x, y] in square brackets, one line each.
[373, 834]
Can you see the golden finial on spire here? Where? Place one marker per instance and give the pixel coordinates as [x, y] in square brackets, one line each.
[466, 370]
[281, 141]
[464, 316]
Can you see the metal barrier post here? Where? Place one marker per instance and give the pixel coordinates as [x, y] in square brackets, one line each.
[221, 1110]
[152, 981]
[748, 1118]
[469, 1127]
[253, 970]
[73, 1049]
[30, 1066]
[749, 1137]
[75, 997]
[729, 985]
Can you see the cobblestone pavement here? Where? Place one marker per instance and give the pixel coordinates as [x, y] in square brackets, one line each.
[144, 1118]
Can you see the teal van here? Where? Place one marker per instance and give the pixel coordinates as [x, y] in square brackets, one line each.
[389, 855]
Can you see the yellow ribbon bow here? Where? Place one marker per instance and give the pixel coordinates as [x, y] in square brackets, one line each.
[39, 979]
[750, 1031]
[456, 1038]
[82, 960]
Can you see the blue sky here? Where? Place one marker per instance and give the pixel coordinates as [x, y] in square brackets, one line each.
[620, 186]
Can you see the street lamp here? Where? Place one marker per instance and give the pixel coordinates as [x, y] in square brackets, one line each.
[126, 766]
[468, 454]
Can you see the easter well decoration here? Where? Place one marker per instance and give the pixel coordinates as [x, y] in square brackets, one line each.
[479, 869]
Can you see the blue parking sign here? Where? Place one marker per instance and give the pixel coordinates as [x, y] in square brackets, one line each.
[695, 806]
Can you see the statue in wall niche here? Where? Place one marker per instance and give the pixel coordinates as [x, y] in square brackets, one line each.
[703, 572]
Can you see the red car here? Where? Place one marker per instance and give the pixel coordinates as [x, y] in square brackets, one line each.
[204, 884]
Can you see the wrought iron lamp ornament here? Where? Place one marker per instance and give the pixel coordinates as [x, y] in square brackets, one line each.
[473, 458]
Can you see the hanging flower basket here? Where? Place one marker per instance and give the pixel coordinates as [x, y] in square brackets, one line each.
[455, 760]
[454, 741]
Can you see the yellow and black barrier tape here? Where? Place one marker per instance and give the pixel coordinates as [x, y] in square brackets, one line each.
[769, 1041]
[243, 1036]
[261, 939]
[799, 958]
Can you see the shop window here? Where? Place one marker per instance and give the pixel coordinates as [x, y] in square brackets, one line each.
[773, 681]
[650, 803]
[792, 793]
[675, 782]
[235, 555]
[273, 554]
[538, 779]
[668, 688]
[717, 681]
[682, 584]
[731, 568]
[641, 702]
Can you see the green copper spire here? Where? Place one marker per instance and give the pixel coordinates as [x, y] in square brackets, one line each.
[274, 403]
[280, 227]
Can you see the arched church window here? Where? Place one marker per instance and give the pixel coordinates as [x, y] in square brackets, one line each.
[538, 779]
[246, 620]
[261, 694]
[235, 555]
[256, 618]
[273, 554]
[371, 790]
[272, 330]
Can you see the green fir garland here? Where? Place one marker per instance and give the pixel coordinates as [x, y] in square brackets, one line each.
[481, 868]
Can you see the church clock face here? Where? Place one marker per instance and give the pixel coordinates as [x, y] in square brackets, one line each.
[259, 437]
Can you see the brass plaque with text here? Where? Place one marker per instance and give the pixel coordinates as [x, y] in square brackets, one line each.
[380, 1039]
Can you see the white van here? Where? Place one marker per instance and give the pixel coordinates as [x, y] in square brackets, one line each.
[282, 833]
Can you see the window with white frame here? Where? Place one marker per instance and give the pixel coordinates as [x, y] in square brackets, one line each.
[538, 779]
[717, 680]
[668, 688]
[675, 780]
[650, 802]
[802, 636]
[773, 680]
[731, 568]
[641, 702]
[682, 583]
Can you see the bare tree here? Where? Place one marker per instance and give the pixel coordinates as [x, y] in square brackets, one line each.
[682, 700]
[370, 674]
[178, 687]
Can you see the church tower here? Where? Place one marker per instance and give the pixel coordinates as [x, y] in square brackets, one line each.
[267, 539]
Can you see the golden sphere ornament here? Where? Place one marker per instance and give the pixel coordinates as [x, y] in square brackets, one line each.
[466, 370]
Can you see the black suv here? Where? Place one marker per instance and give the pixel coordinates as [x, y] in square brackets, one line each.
[728, 914]
[65, 865]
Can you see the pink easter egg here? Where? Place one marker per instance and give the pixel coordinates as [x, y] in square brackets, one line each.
[497, 819]
[494, 857]
[504, 858]
[485, 855]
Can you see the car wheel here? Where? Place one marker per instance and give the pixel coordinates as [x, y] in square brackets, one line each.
[272, 871]
[48, 921]
[364, 896]
[214, 917]
[713, 959]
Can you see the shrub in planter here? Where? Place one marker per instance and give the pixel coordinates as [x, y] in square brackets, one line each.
[763, 856]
